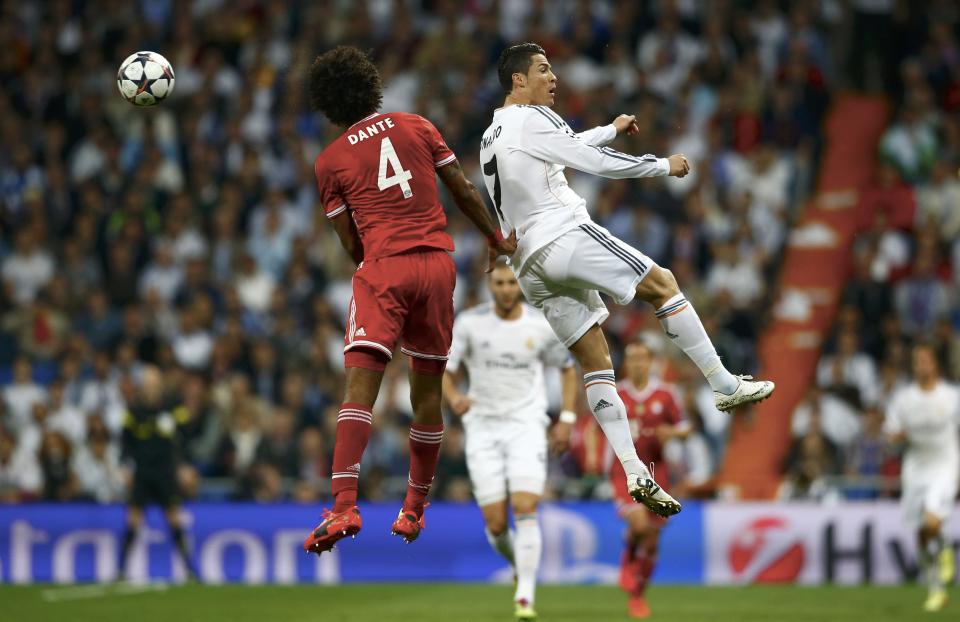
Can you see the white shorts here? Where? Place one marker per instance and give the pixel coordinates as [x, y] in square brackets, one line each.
[563, 279]
[505, 455]
[935, 495]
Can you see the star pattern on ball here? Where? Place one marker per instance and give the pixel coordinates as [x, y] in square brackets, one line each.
[145, 78]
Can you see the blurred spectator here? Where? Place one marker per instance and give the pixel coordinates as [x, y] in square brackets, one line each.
[922, 299]
[265, 371]
[101, 394]
[41, 329]
[811, 460]
[59, 480]
[193, 343]
[162, 275]
[312, 465]
[827, 416]
[101, 324]
[20, 474]
[278, 447]
[266, 483]
[735, 276]
[20, 395]
[887, 248]
[28, 268]
[238, 448]
[870, 455]
[862, 292]
[97, 465]
[849, 371]
[254, 285]
[910, 144]
[938, 202]
[65, 417]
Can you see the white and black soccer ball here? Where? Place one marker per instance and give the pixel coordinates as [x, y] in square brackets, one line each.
[145, 78]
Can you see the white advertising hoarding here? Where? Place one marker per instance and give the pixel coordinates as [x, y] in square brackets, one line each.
[845, 543]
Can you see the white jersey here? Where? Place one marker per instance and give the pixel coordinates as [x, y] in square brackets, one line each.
[505, 360]
[931, 422]
[523, 154]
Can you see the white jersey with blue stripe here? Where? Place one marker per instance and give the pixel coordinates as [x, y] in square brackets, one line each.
[523, 154]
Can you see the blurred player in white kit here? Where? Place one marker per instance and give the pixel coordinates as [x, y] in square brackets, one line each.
[925, 417]
[505, 346]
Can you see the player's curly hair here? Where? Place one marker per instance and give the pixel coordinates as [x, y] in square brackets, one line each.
[344, 85]
[515, 59]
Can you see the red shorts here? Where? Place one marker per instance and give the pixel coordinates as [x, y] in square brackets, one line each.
[408, 297]
[624, 502]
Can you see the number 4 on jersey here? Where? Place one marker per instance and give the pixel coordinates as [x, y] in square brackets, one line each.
[400, 177]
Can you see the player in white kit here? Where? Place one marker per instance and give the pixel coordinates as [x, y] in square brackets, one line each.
[925, 417]
[563, 260]
[504, 347]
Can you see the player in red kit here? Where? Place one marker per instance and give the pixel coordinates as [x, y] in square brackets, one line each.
[654, 414]
[377, 184]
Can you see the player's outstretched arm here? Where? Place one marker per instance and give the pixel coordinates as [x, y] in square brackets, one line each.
[468, 199]
[545, 136]
[347, 232]
[603, 135]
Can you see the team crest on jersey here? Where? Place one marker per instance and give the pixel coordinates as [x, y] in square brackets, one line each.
[530, 343]
[638, 410]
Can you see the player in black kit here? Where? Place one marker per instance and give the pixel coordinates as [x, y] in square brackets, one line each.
[151, 431]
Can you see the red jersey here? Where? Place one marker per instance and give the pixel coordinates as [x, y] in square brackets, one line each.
[657, 404]
[383, 170]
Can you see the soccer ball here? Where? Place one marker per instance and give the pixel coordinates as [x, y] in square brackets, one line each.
[145, 78]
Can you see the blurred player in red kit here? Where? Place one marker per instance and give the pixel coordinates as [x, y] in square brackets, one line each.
[653, 411]
[377, 184]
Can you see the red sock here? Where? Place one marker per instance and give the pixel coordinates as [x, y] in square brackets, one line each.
[424, 453]
[628, 572]
[353, 432]
[645, 565]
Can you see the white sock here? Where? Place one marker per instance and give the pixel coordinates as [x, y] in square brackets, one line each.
[528, 543]
[682, 325]
[502, 544]
[611, 414]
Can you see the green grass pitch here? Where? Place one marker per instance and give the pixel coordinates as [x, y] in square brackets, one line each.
[436, 602]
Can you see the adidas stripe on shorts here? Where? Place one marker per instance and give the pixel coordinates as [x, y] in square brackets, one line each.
[563, 279]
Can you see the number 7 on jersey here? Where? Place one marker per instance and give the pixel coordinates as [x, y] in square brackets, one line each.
[401, 177]
[490, 170]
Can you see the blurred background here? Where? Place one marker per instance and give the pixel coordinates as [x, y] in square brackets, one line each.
[817, 234]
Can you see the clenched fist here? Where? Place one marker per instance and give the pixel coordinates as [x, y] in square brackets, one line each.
[679, 166]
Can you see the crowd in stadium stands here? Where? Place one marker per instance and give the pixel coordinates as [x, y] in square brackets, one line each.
[187, 236]
[904, 278]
